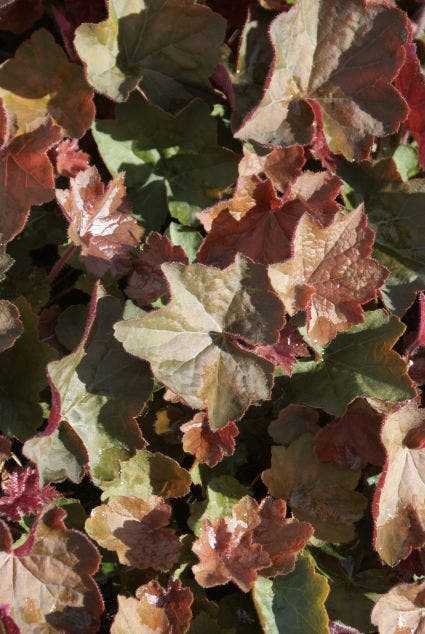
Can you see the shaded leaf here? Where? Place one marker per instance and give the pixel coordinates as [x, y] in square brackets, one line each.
[354, 440]
[292, 422]
[99, 222]
[401, 610]
[48, 580]
[98, 390]
[147, 474]
[284, 353]
[147, 282]
[71, 13]
[326, 53]
[22, 377]
[137, 531]
[293, 603]
[155, 609]
[172, 163]
[10, 324]
[23, 495]
[19, 15]
[399, 504]
[177, 53]
[70, 159]
[39, 81]
[208, 446]
[330, 274]
[5, 448]
[356, 363]
[26, 176]
[199, 329]
[319, 493]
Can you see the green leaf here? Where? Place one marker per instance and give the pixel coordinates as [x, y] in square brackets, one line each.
[22, 377]
[293, 603]
[406, 159]
[172, 163]
[222, 494]
[148, 474]
[359, 362]
[185, 237]
[192, 343]
[170, 46]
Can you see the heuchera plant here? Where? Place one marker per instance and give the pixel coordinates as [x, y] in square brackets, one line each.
[212, 316]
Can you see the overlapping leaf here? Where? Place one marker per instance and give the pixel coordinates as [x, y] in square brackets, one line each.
[70, 159]
[327, 53]
[192, 343]
[23, 495]
[402, 609]
[206, 445]
[10, 325]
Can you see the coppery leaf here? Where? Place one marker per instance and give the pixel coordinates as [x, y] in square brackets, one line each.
[205, 444]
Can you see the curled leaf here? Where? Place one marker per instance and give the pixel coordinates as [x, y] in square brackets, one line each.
[207, 445]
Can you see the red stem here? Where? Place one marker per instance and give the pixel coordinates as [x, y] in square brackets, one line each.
[59, 264]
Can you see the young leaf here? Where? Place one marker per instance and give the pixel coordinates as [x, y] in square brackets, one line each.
[327, 53]
[209, 311]
[401, 609]
[356, 363]
[172, 163]
[99, 222]
[11, 327]
[49, 578]
[399, 504]
[147, 474]
[98, 390]
[284, 353]
[39, 81]
[26, 174]
[171, 47]
[206, 445]
[293, 603]
[317, 492]
[155, 609]
[23, 495]
[354, 440]
[137, 531]
[330, 274]
[70, 159]
[147, 282]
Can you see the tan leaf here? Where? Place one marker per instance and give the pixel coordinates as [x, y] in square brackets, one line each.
[401, 610]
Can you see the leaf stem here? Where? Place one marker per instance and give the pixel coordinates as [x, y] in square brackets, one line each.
[58, 266]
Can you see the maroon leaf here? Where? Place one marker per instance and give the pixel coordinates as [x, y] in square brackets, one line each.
[147, 282]
[99, 222]
[5, 448]
[19, 15]
[22, 494]
[284, 353]
[206, 445]
[354, 440]
[26, 174]
[7, 624]
[71, 14]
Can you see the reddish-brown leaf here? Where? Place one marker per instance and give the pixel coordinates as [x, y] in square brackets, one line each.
[281, 538]
[99, 222]
[354, 440]
[155, 610]
[282, 165]
[206, 445]
[47, 582]
[22, 494]
[284, 353]
[5, 448]
[399, 504]
[19, 15]
[411, 83]
[26, 174]
[330, 274]
[226, 549]
[136, 530]
[71, 14]
[147, 282]
[70, 159]
[401, 610]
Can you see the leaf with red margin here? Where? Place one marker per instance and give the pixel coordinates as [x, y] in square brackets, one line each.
[147, 282]
[330, 274]
[26, 174]
[399, 503]
[137, 531]
[260, 224]
[23, 495]
[208, 446]
[155, 609]
[48, 580]
[401, 610]
[411, 84]
[7, 624]
[354, 440]
[40, 81]
[326, 52]
[285, 352]
[70, 159]
[19, 15]
[99, 222]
